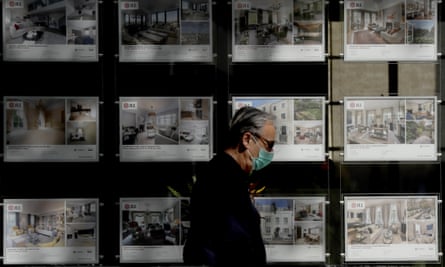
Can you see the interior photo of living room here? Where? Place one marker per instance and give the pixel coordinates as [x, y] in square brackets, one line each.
[265, 23]
[155, 221]
[309, 210]
[308, 21]
[380, 122]
[41, 121]
[153, 23]
[392, 221]
[38, 22]
[155, 121]
[381, 221]
[377, 22]
[308, 132]
[308, 233]
[40, 223]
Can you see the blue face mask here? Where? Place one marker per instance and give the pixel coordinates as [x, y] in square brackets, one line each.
[264, 158]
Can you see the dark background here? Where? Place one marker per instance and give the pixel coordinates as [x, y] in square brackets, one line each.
[109, 79]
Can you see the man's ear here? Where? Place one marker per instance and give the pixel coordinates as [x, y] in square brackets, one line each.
[245, 140]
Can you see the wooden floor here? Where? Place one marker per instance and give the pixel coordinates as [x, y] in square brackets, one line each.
[367, 37]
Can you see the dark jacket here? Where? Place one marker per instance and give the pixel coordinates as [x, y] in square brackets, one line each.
[225, 225]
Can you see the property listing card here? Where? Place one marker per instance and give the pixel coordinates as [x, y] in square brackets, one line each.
[51, 231]
[391, 228]
[278, 30]
[300, 124]
[165, 30]
[166, 128]
[153, 230]
[41, 128]
[390, 128]
[397, 30]
[56, 30]
[293, 228]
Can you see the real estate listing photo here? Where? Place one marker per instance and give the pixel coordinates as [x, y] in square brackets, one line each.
[155, 121]
[151, 23]
[391, 221]
[155, 221]
[35, 121]
[391, 22]
[37, 22]
[264, 23]
[308, 22]
[378, 122]
[40, 223]
[291, 221]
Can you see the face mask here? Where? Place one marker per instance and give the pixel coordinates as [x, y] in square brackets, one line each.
[263, 159]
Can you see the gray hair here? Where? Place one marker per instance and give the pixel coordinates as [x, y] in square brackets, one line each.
[247, 119]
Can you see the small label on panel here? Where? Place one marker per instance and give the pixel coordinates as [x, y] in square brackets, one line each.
[355, 4]
[14, 208]
[15, 105]
[240, 104]
[242, 5]
[15, 4]
[356, 204]
[129, 206]
[356, 105]
[130, 105]
[127, 5]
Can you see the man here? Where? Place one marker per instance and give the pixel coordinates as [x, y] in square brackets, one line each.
[225, 225]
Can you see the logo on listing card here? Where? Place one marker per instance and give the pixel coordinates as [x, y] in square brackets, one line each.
[355, 4]
[356, 105]
[130, 206]
[127, 5]
[129, 105]
[14, 207]
[242, 5]
[356, 204]
[240, 104]
[14, 105]
[15, 4]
